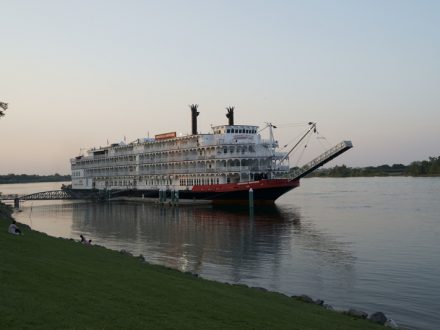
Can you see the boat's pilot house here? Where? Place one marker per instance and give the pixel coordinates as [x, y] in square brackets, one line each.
[235, 129]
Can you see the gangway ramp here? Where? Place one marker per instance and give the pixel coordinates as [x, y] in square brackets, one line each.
[321, 160]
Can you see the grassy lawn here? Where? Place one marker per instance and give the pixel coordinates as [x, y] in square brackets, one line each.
[50, 283]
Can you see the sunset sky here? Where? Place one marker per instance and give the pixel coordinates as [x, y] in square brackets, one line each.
[79, 73]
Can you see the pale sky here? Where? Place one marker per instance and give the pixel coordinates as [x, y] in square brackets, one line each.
[76, 73]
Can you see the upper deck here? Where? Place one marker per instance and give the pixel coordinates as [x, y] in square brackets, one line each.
[223, 135]
[235, 129]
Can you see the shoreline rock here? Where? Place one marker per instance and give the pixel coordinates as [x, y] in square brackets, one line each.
[357, 313]
[378, 317]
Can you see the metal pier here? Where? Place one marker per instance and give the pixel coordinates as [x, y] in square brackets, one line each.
[44, 195]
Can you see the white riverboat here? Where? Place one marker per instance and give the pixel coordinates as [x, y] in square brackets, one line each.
[221, 166]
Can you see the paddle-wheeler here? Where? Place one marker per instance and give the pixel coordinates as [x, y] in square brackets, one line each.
[222, 166]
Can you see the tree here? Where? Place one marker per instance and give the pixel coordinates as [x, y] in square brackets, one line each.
[434, 168]
[3, 106]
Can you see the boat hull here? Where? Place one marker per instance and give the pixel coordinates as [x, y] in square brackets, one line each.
[264, 191]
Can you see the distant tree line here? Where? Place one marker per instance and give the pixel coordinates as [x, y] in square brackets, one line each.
[429, 167]
[26, 178]
[425, 167]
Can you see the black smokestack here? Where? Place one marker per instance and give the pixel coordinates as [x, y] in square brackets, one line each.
[230, 115]
[194, 114]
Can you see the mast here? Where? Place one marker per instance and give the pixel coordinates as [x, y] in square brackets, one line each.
[312, 127]
[273, 145]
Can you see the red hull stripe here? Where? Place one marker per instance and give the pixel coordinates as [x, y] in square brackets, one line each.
[255, 185]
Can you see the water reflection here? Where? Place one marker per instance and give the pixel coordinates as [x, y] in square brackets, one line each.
[220, 242]
[186, 237]
[276, 248]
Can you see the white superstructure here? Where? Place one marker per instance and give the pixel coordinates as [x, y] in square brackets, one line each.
[230, 154]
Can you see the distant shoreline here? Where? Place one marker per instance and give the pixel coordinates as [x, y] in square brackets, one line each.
[373, 176]
[32, 178]
[424, 168]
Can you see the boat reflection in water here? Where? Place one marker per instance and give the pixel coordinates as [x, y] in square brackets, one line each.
[272, 248]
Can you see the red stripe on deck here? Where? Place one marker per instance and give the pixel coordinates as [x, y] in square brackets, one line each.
[255, 185]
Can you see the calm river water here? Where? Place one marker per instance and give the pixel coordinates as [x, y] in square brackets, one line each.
[367, 243]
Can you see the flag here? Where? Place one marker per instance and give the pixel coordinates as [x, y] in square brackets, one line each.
[4, 105]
